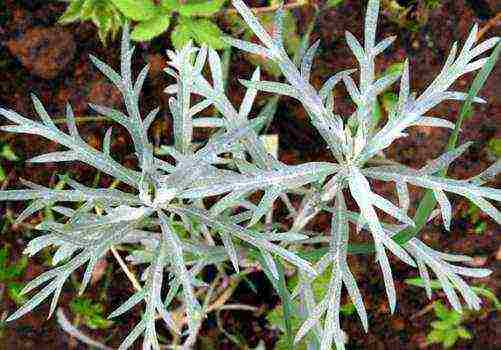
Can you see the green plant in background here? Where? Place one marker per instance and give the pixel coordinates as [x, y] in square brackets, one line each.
[90, 313]
[10, 273]
[6, 152]
[151, 19]
[448, 329]
[494, 147]
[400, 14]
[473, 215]
[103, 13]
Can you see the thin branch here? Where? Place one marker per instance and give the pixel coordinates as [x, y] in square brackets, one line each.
[128, 273]
[75, 333]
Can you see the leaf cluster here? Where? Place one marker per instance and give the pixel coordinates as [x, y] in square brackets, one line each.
[447, 330]
[151, 19]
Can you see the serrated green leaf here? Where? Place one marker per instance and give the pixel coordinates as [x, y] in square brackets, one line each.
[200, 7]
[181, 35]
[202, 31]
[148, 29]
[72, 13]
[137, 10]
[87, 9]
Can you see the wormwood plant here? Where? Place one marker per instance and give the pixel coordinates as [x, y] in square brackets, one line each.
[233, 165]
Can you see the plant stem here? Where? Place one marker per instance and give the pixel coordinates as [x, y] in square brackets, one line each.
[259, 10]
[126, 270]
[82, 120]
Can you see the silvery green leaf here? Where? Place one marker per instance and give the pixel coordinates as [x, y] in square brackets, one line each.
[278, 27]
[445, 207]
[216, 70]
[383, 45]
[331, 83]
[199, 107]
[35, 206]
[138, 85]
[133, 335]
[447, 274]
[150, 118]
[312, 320]
[403, 196]
[227, 201]
[265, 204]
[176, 256]
[391, 209]
[250, 95]
[484, 46]
[287, 177]
[253, 23]
[109, 72]
[445, 160]
[356, 48]
[473, 66]
[249, 47]
[486, 207]
[352, 89]
[272, 87]
[63, 156]
[230, 248]
[488, 174]
[58, 276]
[40, 109]
[34, 301]
[113, 196]
[201, 58]
[248, 236]
[286, 236]
[356, 298]
[425, 276]
[384, 83]
[434, 123]
[107, 142]
[359, 188]
[86, 153]
[470, 41]
[270, 263]
[307, 60]
[370, 27]
[469, 190]
[64, 252]
[404, 92]
[209, 122]
[39, 243]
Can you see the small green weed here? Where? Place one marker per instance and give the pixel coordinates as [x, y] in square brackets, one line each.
[6, 152]
[447, 330]
[10, 272]
[90, 313]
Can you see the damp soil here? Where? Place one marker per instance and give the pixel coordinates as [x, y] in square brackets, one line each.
[39, 56]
